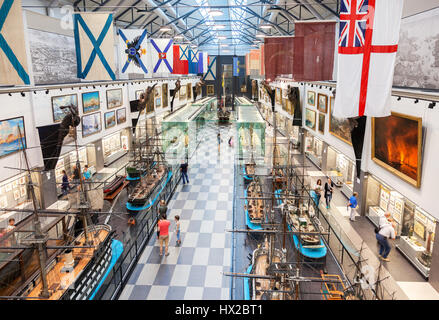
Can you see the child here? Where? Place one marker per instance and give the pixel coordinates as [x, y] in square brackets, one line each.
[177, 229]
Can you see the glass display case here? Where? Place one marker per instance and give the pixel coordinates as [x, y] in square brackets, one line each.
[115, 146]
[13, 194]
[414, 227]
[313, 149]
[251, 134]
[66, 162]
[341, 170]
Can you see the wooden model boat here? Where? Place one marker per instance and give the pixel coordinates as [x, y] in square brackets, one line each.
[223, 115]
[249, 171]
[260, 265]
[254, 203]
[114, 185]
[75, 273]
[141, 193]
[299, 220]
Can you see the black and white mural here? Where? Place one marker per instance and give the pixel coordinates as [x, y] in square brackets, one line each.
[53, 57]
[417, 59]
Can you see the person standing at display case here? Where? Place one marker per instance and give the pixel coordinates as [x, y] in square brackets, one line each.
[328, 192]
[386, 232]
[76, 176]
[163, 225]
[318, 190]
[352, 206]
[65, 183]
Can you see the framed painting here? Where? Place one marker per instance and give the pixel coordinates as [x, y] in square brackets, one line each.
[91, 124]
[322, 103]
[110, 119]
[138, 93]
[210, 90]
[311, 98]
[182, 93]
[189, 91]
[397, 145]
[90, 102]
[60, 101]
[310, 120]
[12, 136]
[339, 127]
[165, 95]
[157, 92]
[322, 123]
[114, 98]
[121, 115]
[158, 102]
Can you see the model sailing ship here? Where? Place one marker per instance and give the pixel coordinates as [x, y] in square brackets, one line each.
[47, 260]
[155, 169]
[254, 204]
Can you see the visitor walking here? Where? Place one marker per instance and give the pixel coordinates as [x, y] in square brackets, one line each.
[163, 225]
[230, 141]
[183, 169]
[65, 183]
[86, 175]
[352, 206]
[177, 229]
[219, 141]
[76, 176]
[386, 232]
[163, 209]
[328, 192]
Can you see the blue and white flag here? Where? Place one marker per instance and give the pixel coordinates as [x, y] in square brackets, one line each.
[13, 59]
[162, 55]
[193, 61]
[210, 75]
[94, 43]
[133, 51]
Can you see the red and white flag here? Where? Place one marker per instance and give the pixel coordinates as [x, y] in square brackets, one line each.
[369, 34]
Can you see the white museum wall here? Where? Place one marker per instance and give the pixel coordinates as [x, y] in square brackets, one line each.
[15, 106]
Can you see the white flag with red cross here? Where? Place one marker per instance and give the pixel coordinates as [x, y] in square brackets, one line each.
[369, 34]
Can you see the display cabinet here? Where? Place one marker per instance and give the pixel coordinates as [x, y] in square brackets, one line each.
[314, 149]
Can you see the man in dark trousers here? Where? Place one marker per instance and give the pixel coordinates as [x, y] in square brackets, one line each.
[183, 169]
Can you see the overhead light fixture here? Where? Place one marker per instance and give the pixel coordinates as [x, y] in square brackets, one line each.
[224, 45]
[193, 45]
[260, 35]
[179, 36]
[215, 12]
[219, 26]
[265, 26]
[165, 29]
[222, 37]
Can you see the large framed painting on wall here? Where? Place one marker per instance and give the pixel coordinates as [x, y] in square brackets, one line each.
[322, 103]
[278, 96]
[91, 124]
[339, 127]
[12, 136]
[397, 145]
[165, 95]
[121, 115]
[61, 101]
[114, 98]
[311, 98]
[310, 120]
[90, 101]
[110, 119]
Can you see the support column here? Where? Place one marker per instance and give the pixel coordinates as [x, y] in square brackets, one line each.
[97, 154]
[46, 193]
[360, 186]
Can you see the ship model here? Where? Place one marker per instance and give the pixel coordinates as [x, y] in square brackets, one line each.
[254, 204]
[155, 173]
[264, 287]
[48, 257]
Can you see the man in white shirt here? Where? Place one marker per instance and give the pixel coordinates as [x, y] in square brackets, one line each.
[384, 219]
[386, 232]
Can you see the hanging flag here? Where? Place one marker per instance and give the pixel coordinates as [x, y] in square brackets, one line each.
[94, 45]
[180, 62]
[193, 61]
[235, 67]
[262, 60]
[13, 60]
[205, 61]
[369, 34]
[211, 70]
[132, 50]
[200, 62]
[162, 55]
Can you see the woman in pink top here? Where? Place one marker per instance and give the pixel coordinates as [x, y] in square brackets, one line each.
[163, 225]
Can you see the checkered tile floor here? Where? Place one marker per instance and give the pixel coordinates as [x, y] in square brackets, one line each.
[194, 269]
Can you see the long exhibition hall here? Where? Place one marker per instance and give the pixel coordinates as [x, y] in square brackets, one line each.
[219, 151]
